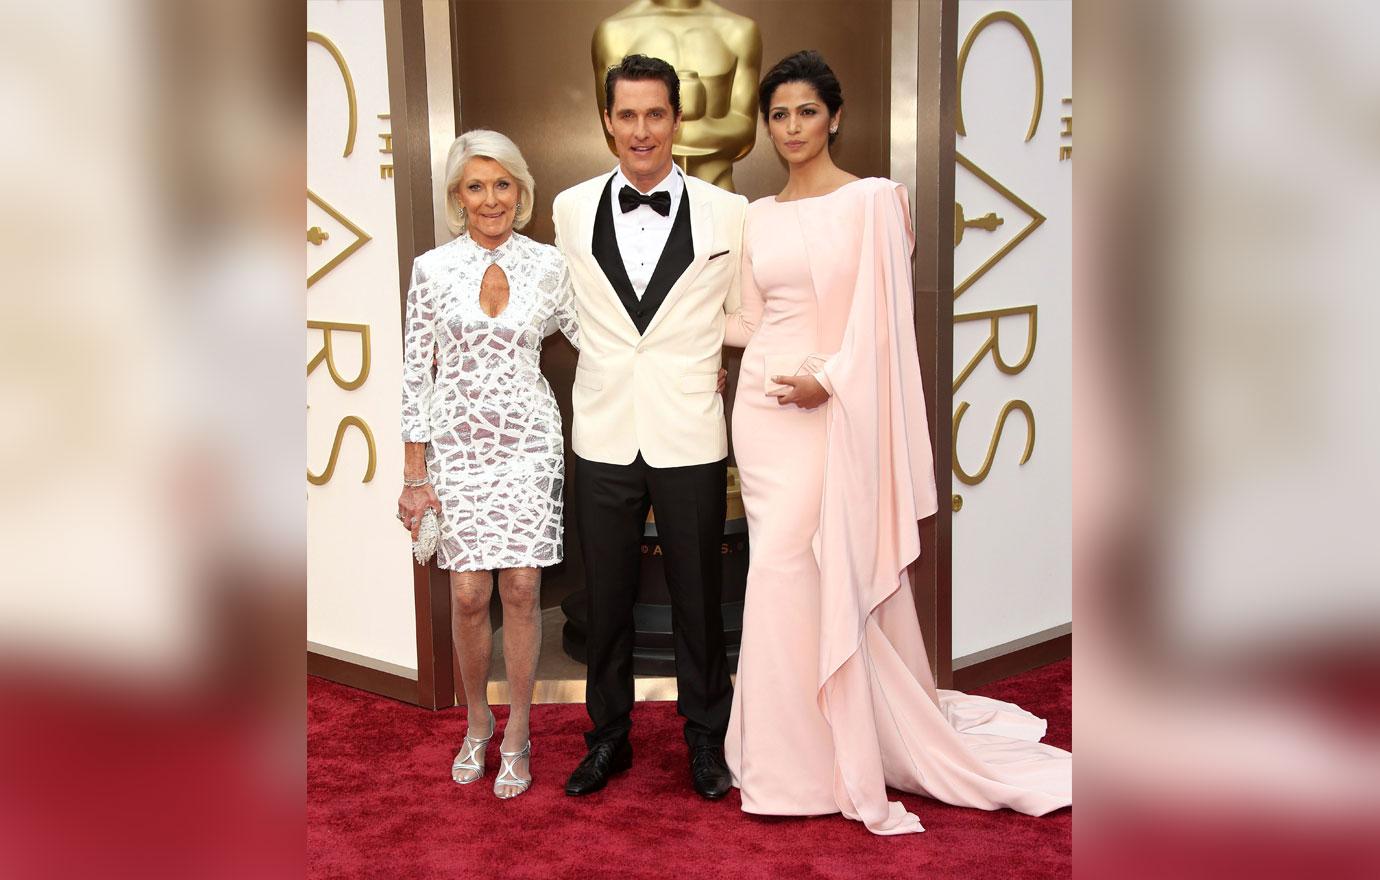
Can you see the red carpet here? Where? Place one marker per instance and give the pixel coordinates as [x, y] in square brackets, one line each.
[380, 803]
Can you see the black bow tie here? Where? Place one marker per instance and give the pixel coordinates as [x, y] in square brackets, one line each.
[659, 201]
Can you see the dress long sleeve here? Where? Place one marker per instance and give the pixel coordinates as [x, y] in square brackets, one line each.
[419, 347]
[742, 321]
[565, 317]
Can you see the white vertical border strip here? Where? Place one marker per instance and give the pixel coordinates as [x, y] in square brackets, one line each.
[905, 84]
[440, 100]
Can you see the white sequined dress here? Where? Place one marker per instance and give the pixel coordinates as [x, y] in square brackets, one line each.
[473, 391]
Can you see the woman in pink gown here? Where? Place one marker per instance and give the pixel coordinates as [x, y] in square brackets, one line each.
[835, 699]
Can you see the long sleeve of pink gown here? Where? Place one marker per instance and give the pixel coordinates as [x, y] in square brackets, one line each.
[740, 323]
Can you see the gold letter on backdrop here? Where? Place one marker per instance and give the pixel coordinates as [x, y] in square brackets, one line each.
[361, 237]
[325, 476]
[993, 342]
[314, 37]
[1036, 218]
[327, 352]
[974, 479]
[993, 316]
[1015, 21]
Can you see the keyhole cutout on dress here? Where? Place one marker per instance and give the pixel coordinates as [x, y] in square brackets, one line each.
[493, 291]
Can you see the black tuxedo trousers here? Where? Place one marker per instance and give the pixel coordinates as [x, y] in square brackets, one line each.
[611, 502]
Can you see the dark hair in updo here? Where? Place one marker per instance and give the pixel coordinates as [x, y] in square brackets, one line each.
[807, 67]
[642, 67]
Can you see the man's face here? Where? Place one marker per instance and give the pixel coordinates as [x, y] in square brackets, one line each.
[643, 127]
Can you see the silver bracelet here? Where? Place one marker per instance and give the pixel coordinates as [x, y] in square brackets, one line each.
[414, 484]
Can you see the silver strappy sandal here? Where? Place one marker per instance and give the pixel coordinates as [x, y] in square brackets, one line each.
[507, 771]
[471, 755]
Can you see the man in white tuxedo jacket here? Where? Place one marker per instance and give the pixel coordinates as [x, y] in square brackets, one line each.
[655, 259]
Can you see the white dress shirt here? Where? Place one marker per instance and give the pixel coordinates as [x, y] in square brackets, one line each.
[642, 232]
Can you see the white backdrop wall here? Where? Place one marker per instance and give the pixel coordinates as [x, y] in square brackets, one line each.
[1012, 556]
[359, 579]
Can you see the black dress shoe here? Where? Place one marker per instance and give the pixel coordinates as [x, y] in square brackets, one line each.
[602, 761]
[709, 772]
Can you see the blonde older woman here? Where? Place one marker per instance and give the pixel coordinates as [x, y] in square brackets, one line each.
[482, 431]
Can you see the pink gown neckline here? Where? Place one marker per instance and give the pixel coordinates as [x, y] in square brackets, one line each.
[776, 200]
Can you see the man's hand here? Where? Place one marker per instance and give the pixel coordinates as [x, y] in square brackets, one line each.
[723, 380]
[804, 391]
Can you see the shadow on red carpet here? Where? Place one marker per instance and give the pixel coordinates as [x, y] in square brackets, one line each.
[380, 803]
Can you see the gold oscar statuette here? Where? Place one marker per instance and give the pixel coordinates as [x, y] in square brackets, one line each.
[718, 56]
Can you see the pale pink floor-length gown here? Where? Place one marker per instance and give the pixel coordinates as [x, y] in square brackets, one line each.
[835, 699]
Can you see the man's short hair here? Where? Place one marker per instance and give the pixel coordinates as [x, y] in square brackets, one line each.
[642, 67]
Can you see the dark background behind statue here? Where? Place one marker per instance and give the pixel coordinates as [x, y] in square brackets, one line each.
[524, 68]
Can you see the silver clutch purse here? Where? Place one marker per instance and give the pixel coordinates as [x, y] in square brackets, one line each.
[427, 535]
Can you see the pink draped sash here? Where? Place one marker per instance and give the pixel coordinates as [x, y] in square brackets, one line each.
[876, 689]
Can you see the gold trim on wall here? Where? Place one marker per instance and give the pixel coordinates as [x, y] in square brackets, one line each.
[905, 96]
[319, 39]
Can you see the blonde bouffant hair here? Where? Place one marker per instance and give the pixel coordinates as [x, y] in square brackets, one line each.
[484, 144]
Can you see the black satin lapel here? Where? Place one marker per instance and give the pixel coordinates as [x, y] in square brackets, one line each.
[676, 257]
[606, 254]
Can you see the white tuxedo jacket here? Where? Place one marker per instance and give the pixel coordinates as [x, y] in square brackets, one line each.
[653, 392]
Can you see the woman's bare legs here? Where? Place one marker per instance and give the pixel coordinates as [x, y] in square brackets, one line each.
[520, 590]
[473, 635]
